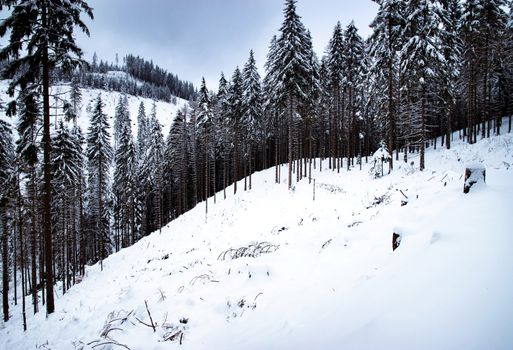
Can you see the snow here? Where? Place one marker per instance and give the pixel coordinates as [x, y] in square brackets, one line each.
[331, 280]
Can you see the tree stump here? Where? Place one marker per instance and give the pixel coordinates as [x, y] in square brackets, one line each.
[396, 241]
[473, 174]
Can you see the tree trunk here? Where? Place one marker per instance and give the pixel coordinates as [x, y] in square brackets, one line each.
[33, 240]
[291, 136]
[5, 265]
[47, 196]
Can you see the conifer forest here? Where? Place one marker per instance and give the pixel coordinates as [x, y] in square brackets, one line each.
[432, 72]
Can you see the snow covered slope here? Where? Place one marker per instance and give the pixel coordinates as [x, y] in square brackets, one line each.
[325, 276]
[165, 111]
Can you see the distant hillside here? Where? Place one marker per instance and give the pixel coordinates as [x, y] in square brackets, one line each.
[165, 111]
[135, 76]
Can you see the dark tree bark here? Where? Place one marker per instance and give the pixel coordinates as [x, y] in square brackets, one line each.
[47, 175]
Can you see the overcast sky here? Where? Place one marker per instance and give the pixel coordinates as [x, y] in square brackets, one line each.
[195, 38]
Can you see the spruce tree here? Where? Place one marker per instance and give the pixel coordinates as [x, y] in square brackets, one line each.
[336, 66]
[236, 111]
[354, 58]
[451, 46]
[385, 44]
[68, 170]
[151, 174]
[125, 183]
[421, 65]
[99, 156]
[252, 109]
[204, 125]
[293, 71]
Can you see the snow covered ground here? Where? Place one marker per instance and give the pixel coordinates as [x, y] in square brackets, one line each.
[325, 276]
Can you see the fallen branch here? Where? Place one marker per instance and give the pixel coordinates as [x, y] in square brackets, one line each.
[112, 342]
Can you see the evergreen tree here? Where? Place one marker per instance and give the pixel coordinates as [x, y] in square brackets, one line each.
[177, 150]
[421, 64]
[385, 41]
[99, 156]
[470, 25]
[142, 134]
[72, 107]
[293, 71]
[68, 168]
[354, 58]
[151, 175]
[204, 120]
[121, 118]
[252, 109]
[493, 25]
[236, 112]
[451, 47]
[336, 66]
[125, 184]
[223, 131]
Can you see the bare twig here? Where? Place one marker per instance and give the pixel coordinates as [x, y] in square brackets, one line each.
[143, 323]
[259, 294]
[149, 314]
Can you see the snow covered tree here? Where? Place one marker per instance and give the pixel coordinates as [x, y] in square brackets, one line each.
[125, 184]
[142, 133]
[272, 108]
[451, 46]
[236, 112]
[121, 118]
[335, 66]
[204, 125]
[421, 64]
[72, 107]
[252, 109]
[354, 58]
[99, 156]
[385, 44]
[292, 73]
[40, 40]
[223, 131]
[177, 149]
[150, 175]
[493, 25]
[68, 170]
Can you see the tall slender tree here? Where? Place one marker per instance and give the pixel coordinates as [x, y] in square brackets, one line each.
[6, 171]
[99, 156]
[293, 70]
[384, 49]
[252, 109]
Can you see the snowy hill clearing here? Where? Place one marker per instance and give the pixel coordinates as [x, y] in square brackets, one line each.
[165, 111]
[316, 274]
